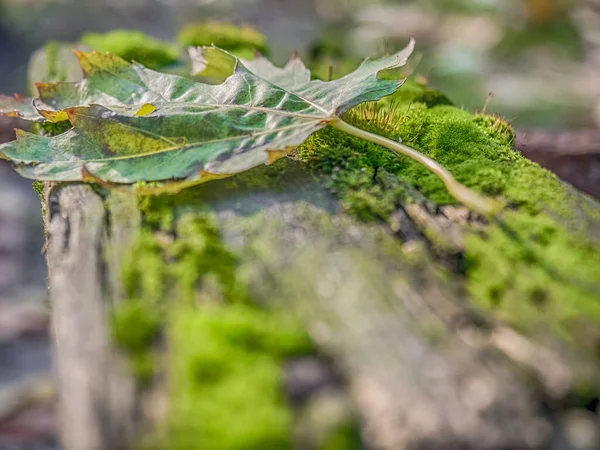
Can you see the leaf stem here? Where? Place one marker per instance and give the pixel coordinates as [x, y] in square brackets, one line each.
[471, 199]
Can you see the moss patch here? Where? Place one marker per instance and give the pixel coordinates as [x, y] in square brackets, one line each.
[38, 186]
[533, 268]
[227, 391]
[133, 46]
[241, 41]
[135, 326]
[144, 275]
[536, 274]
[50, 128]
[226, 354]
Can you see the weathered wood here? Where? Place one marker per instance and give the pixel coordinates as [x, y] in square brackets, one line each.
[424, 369]
[97, 395]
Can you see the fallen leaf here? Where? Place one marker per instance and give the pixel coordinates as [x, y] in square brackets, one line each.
[131, 124]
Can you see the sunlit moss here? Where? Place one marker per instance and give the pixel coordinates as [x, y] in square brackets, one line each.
[227, 387]
[133, 46]
[533, 267]
[241, 41]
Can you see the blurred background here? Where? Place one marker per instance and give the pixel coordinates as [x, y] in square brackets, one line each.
[535, 62]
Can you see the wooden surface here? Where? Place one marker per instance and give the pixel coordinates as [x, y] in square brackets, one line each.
[97, 395]
[385, 301]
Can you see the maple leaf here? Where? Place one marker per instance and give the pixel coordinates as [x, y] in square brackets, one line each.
[131, 124]
[18, 106]
[194, 128]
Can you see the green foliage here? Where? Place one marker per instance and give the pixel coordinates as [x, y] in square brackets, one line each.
[417, 92]
[133, 46]
[241, 41]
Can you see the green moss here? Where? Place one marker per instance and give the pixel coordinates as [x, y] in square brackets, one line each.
[135, 325]
[227, 388]
[475, 148]
[38, 186]
[137, 322]
[161, 211]
[133, 46]
[413, 91]
[241, 41]
[344, 437]
[144, 275]
[226, 354]
[497, 128]
[533, 267]
[539, 276]
[50, 128]
[202, 256]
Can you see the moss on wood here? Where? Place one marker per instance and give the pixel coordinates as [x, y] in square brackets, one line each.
[227, 386]
[535, 267]
[241, 41]
[133, 46]
[226, 354]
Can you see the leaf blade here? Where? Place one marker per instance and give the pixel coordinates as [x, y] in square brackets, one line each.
[150, 126]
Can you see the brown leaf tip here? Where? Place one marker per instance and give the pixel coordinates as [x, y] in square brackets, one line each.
[86, 175]
[71, 113]
[82, 57]
[19, 133]
[275, 155]
[89, 177]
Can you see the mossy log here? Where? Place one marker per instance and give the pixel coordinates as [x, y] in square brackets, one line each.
[338, 299]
